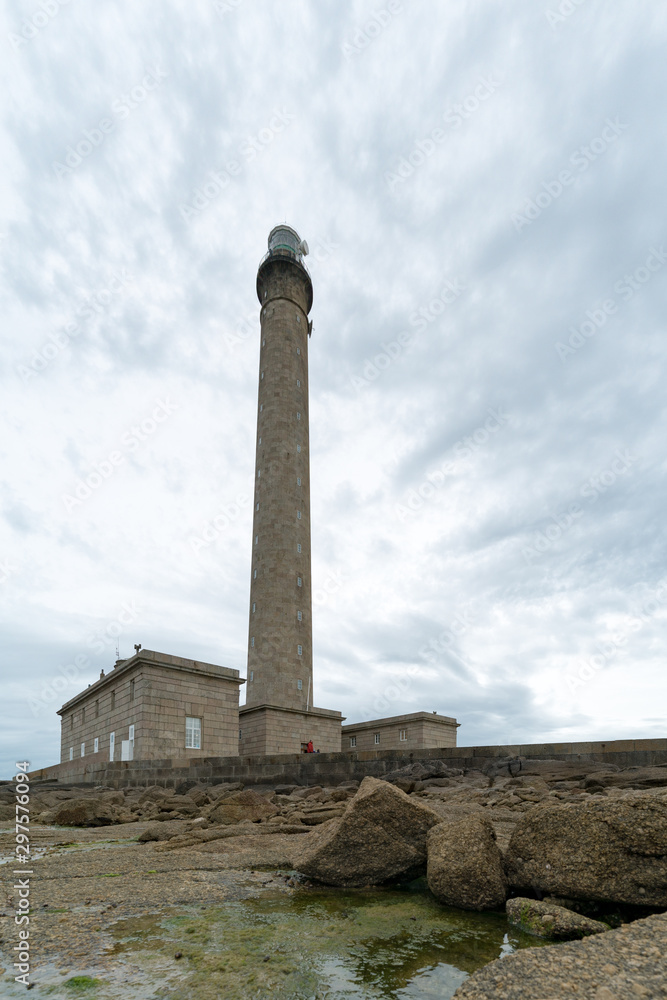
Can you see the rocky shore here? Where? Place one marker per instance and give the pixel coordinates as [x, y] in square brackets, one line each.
[576, 849]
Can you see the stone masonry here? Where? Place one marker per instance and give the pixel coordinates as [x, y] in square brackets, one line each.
[155, 693]
[416, 730]
[279, 716]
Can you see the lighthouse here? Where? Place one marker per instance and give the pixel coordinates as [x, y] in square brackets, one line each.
[279, 716]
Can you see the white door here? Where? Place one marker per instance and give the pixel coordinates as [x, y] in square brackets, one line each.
[126, 747]
[112, 745]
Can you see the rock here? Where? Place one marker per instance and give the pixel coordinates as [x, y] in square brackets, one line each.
[156, 831]
[84, 812]
[308, 793]
[199, 797]
[316, 816]
[239, 806]
[224, 789]
[7, 813]
[420, 771]
[505, 766]
[182, 804]
[546, 920]
[285, 789]
[380, 838]
[340, 795]
[619, 965]
[465, 866]
[629, 777]
[609, 849]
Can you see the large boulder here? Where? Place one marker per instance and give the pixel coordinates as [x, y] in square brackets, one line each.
[612, 850]
[85, 812]
[465, 866]
[546, 920]
[239, 806]
[381, 837]
[622, 964]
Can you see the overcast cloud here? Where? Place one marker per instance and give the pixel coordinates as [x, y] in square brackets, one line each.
[482, 186]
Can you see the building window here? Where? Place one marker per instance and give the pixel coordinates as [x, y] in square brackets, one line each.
[252, 675]
[261, 407]
[377, 738]
[298, 480]
[298, 318]
[299, 615]
[192, 734]
[96, 744]
[262, 375]
[83, 749]
[252, 642]
[240, 734]
[298, 350]
[298, 515]
[298, 416]
[83, 716]
[71, 753]
[299, 650]
[259, 473]
[264, 342]
[254, 608]
[298, 383]
[130, 734]
[257, 506]
[97, 708]
[131, 690]
[298, 546]
[402, 734]
[113, 699]
[299, 685]
[256, 539]
[112, 746]
[353, 741]
[254, 575]
[298, 581]
[298, 447]
[71, 721]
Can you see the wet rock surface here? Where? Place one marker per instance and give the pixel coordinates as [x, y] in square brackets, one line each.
[623, 964]
[548, 920]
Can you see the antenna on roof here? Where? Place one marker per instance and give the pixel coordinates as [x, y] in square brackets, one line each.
[118, 649]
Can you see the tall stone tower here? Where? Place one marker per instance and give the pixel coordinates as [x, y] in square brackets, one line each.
[279, 716]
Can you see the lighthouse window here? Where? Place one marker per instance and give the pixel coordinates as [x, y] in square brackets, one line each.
[298, 416]
[298, 546]
[252, 641]
[254, 608]
[256, 539]
[298, 481]
[299, 650]
[298, 383]
[298, 350]
[254, 575]
[262, 375]
[252, 675]
[298, 447]
[298, 581]
[299, 685]
[298, 318]
[261, 407]
[264, 343]
[260, 441]
[256, 506]
[299, 615]
[259, 473]
[298, 514]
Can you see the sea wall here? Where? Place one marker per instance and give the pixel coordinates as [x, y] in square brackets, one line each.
[334, 768]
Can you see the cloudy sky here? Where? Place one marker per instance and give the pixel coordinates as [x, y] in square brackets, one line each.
[482, 188]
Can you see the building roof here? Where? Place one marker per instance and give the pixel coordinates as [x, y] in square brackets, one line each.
[150, 657]
[403, 719]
